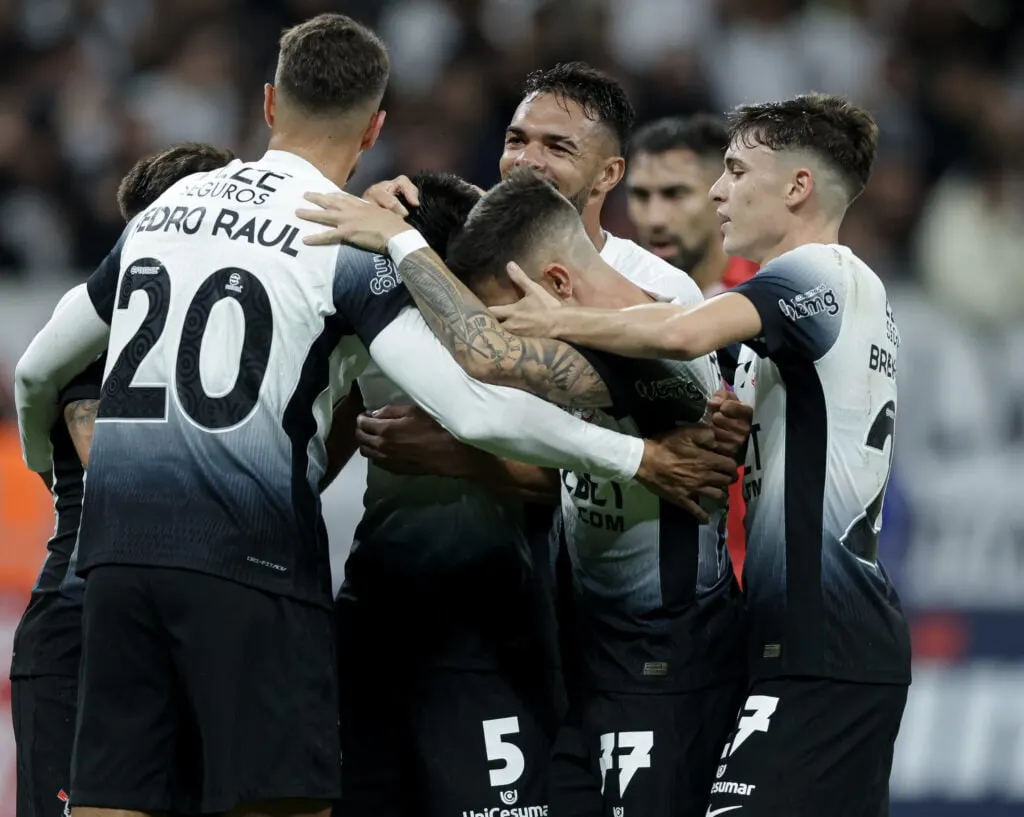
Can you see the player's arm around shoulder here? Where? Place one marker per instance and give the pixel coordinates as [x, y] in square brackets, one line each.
[471, 334]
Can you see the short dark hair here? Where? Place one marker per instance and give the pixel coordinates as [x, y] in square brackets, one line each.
[331, 64]
[602, 98]
[704, 134]
[842, 134]
[445, 202]
[508, 223]
[150, 177]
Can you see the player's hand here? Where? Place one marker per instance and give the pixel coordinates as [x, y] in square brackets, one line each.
[731, 420]
[682, 467]
[407, 440]
[354, 221]
[533, 314]
[385, 194]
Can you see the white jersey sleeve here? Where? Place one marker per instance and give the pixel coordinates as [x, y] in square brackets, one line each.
[504, 421]
[378, 309]
[75, 335]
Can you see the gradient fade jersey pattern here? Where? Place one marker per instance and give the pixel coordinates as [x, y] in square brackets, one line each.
[822, 380]
[418, 528]
[655, 588]
[230, 343]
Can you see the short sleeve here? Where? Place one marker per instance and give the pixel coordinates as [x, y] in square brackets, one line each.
[87, 385]
[102, 284]
[368, 292]
[800, 298]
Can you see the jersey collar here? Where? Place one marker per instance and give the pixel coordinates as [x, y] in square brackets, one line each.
[294, 164]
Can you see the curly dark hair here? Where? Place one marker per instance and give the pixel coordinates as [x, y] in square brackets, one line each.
[445, 201]
[602, 98]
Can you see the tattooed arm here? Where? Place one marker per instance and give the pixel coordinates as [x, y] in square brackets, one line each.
[548, 368]
[80, 417]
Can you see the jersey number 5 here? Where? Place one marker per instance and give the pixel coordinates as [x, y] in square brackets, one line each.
[124, 401]
[861, 538]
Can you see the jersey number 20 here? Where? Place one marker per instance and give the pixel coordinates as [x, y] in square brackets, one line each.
[122, 400]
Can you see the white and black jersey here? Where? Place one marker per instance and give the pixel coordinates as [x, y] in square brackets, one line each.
[230, 341]
[822, 380]
[657, 597]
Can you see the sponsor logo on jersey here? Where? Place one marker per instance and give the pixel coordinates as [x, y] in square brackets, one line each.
[817, 301]
[385, 275]
[496, 811]
[669, 388]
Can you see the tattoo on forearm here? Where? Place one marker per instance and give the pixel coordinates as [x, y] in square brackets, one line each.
[81, 412]
[548, 368]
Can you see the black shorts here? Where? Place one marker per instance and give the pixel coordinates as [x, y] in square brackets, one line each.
[642, 753]
[421, 739]
[804, 747]
[198, 694]
[43, 711]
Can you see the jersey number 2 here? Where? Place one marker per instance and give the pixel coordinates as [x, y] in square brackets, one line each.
[124, 401]
[861, 538]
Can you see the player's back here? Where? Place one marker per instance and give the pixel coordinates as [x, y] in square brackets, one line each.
[225, 358]
[818, 463]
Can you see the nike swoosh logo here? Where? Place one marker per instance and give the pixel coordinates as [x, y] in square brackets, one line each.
[711, 813]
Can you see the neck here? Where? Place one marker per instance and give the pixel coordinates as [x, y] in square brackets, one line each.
[814, 231]
[326, 152]
[602, 287]
[591, 217]
[711, 268]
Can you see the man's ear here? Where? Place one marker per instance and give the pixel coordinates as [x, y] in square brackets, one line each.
[373, 130]
[611, 174]
[556, 279]
[269, 104]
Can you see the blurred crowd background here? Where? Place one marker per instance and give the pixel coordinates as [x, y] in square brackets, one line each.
[89, 86]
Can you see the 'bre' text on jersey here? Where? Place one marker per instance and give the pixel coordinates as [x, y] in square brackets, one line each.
[816, 469]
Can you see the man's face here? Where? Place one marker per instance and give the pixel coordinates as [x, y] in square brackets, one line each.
[750, 200]
[551, 135]
[667, 195]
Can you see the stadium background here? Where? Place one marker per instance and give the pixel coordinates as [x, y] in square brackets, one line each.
[88, 86]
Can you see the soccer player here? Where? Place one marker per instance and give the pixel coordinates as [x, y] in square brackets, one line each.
[829, 649]
[572, 126]
[441, 573]
[48, 641]
[658, 605]
[208, 677]
[671, 164]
